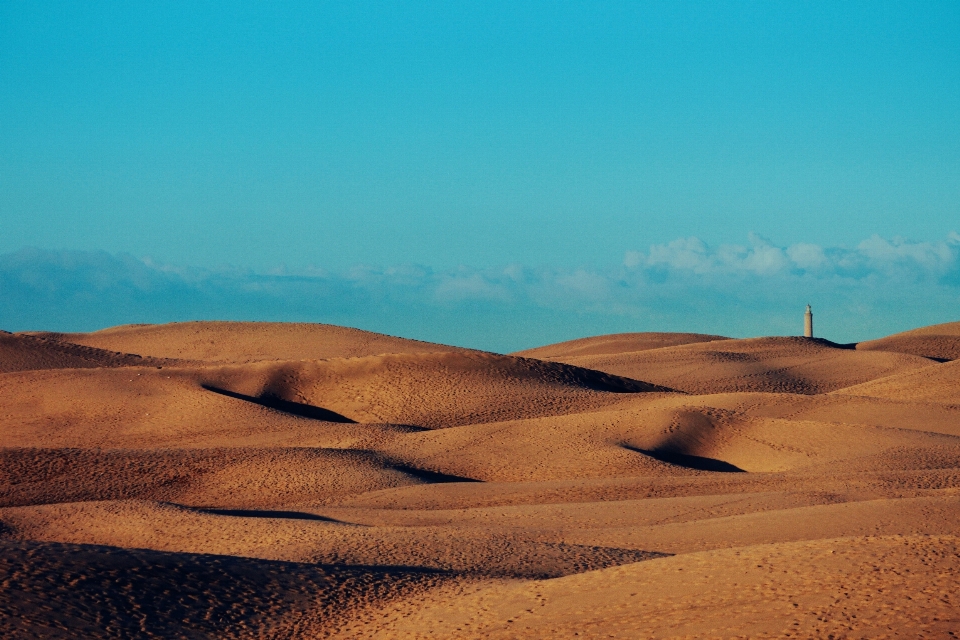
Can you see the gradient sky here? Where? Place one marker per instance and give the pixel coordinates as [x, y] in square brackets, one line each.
[487, 133]
[322, 135]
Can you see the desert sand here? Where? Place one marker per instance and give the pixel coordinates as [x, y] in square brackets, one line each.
[271, 480]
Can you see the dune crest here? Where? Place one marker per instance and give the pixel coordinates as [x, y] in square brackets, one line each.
[787, 365]
[245, 341]
[29, 353]
[615, 343]
[940, 342]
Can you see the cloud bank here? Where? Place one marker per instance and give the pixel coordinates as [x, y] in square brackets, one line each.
[878, 287]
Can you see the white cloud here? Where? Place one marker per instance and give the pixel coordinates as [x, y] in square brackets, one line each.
[807, 256]
[469, 286]
[931, 255]
[684, 285]
[633, 259]
[684, 253]
[585, 284]
[762, 258]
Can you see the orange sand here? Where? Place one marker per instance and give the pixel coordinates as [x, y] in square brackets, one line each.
[294, 480]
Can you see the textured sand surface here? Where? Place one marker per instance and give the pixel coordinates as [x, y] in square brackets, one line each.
[245, 341]
[863, 587]
[615, 343]
[265, 480]
[26, 353]
[939, 341]
[789, 365]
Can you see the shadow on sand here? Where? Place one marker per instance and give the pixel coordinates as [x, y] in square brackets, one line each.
[258, 513]
[287, 406]
[690, 462]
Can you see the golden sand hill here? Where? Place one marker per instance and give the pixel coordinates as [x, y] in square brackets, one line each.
[432, 390]
[614, 344]
[272, 480]
[940, 341]
[25, 353]
[302, 403]
[245, 341]
[936, 384]
[789, 365]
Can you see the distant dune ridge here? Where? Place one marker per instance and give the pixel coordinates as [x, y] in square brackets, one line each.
[940, 342]
[227, 479]
[615, 344]
[20, 352]
[245, 341]
[790, 365]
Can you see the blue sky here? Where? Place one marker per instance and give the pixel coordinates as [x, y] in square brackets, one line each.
[452, 138]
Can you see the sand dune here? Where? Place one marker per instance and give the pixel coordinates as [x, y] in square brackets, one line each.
[25, 353]
[245, 341]
[291, 403]
[432, 390]
[300, 536]
[272, 480]
[145, 408]
[232, 478]
[653, 439]
[940, 341]
[615, 343]
[886, 587]
[788, 365]
[936, 384]
[73, 591]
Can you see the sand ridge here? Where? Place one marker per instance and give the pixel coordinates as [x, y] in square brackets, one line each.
[937, 384]
[851, 587]
[788, 365]
[615, 343]
[939, 341]
[246, 341]
[304, 480]
[27, 353]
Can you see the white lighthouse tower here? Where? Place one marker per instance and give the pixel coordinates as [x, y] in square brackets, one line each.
[808, 323]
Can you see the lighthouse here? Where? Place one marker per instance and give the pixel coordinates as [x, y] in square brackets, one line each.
[808, 323]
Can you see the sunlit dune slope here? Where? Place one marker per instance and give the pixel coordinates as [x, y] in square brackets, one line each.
[24, 353]
[302, 403]
[650, 437]
[939, 341]
[246, 341]
[146, 407]
[791, 365]
[431, 390]
[615, 343]
[739, 512]
[301, 536]
[940, 383]
[234, 478]
[864, 587]
[890, 474]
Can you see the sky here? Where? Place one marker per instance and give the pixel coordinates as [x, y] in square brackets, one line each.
[490, 174]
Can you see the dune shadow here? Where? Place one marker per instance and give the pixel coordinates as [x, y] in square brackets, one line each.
[399, 428]
[430, 477]
[834, 345]
[699, 463]
[258, 513]
[287, 406]
[60, 590]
